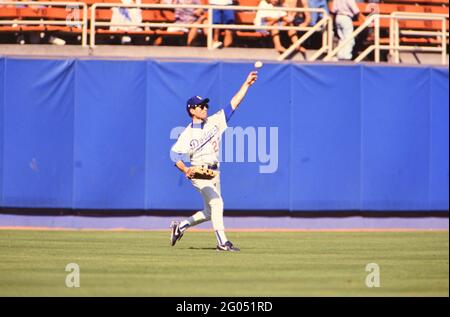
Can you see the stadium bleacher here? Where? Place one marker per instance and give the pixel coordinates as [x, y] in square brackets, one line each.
[408, 6]
[149, 15]
[43, 13]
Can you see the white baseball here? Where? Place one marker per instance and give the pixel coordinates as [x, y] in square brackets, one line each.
[258, 64]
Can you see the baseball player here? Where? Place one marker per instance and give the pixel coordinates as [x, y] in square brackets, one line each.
[199, 143]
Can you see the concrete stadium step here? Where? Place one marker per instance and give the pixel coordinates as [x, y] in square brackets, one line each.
[169, 52]
[130, 51]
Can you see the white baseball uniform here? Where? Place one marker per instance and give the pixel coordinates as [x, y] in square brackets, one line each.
[200, 144]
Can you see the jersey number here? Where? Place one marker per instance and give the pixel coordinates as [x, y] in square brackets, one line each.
[215, 146]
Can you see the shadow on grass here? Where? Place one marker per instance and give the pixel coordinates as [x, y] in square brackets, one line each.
[195, 248]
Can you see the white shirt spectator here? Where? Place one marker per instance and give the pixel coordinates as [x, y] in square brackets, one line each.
[346, 7]
[262, 14]
[126, 16]
[221, 2]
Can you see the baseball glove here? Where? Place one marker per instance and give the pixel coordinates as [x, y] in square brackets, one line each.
[201, 172]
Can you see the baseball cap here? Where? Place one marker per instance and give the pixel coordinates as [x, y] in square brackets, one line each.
[196, 100]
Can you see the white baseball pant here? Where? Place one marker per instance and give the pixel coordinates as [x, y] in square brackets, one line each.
[212, 201]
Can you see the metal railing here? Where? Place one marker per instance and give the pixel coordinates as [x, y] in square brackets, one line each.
[68, 5]
[324, 24]
[395, 30]
[394, 46]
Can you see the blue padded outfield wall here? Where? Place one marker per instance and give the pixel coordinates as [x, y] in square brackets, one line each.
[96, 134]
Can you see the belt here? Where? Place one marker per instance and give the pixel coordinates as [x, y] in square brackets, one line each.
[212, 167]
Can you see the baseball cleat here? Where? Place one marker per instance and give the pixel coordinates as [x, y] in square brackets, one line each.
[175, 233]
[227, 246]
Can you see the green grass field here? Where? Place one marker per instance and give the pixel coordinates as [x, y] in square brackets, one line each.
[32, 263]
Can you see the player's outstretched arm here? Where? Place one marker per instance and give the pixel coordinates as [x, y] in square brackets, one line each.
[239, 96]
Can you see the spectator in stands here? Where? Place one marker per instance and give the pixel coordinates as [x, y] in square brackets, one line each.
[223, 17]
[187, 16]
[301, 19]
[129, 16]
[272, 18]
[345, 12]
[317, 4]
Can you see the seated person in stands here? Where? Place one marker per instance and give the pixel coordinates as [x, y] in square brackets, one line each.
[129, 16]
[187, 16]
[271, 18]
[223, 17]
[301, 19]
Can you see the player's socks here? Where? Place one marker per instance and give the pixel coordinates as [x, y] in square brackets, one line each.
[184, 225]
[221, 237]
[197, 218]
